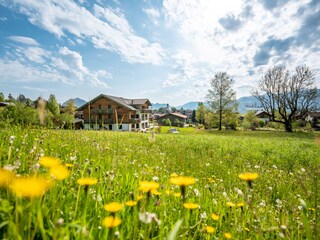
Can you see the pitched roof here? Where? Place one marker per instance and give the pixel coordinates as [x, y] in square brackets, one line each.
[175, 114]
[127, 103]
[314, 114]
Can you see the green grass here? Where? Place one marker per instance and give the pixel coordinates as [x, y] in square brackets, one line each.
[287, 164]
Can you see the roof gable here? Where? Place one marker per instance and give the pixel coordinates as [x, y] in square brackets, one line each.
[127, 103]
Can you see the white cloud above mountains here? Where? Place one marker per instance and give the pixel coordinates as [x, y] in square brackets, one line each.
[243, 38]
[174, 47]
[35, 64]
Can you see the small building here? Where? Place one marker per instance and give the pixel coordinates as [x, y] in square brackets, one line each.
[5, 104]
[263, 115]
[116, 113]
[176, 119]
[313, 117]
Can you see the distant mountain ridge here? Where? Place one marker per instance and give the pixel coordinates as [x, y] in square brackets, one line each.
[245, 104]
[78, 102]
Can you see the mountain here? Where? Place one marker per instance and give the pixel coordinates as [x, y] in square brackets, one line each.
[248, 103]
[77, 101]
[189, 106]
[158, 105]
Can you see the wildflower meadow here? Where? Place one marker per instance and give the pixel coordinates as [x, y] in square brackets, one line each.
[58, 184]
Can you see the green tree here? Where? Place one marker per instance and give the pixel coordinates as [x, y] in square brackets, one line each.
[70, 108]
[52, 105]
[251, 120]
[200, 113]
[1, 97]
[193, 116]
[287, 97]
[221, 96]
[21, 98]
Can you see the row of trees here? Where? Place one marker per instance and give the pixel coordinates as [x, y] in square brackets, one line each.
[48, 113]
[285, 97]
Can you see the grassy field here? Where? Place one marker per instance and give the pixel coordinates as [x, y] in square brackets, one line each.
[41, 196]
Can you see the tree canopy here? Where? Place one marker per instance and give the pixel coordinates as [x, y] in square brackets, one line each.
[221, 96]
[287, 97]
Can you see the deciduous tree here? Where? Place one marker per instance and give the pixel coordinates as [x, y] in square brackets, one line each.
[287, 97]
[221, 96]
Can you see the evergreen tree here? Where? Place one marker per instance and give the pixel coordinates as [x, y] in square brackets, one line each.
[52, 105]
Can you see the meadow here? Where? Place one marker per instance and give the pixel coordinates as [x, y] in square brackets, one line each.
[58, 184]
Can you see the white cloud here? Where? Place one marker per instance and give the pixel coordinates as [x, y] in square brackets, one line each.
[35, 89]
[107, 30]
[25, 40]
[227, 35]
[36, 54]
[70, 63]
[3, 19]
[153, 14]
[35, 64]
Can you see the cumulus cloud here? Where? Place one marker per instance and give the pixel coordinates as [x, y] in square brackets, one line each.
[245, 38]
[230, 22]
[106, 28]
[153, 14]
[35, 64]
[25, 40]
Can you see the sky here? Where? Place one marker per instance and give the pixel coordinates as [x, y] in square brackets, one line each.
[166, 51]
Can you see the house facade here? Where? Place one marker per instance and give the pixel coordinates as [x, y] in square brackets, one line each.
[175, 119]
[116, 113]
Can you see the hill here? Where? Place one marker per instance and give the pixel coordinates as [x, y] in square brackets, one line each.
[158, 105]
[77, 101]
[189, 106]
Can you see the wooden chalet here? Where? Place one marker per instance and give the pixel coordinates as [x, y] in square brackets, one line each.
[172, 117]
[116, 113]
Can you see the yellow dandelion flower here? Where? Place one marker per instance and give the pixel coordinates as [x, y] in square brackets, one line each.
[215, 217]
[49, 162]
[177, 194]
[155, 192]
[113, 207]
[169, 192]
[247, 229]
[87, 181]
[210, 229]
[248, 176]
[131, 203]
[30, 187]
[227, 235]
[240, 204]
[147, 186]
[59, 172]
[69, 165]
[174, 175]
[191, 205]
[6, 177]
[182, 181]
[231, 204]
[140, 197]
[111, 222]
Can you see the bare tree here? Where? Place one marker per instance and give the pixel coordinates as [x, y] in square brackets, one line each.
[221, 96]
[287, 97]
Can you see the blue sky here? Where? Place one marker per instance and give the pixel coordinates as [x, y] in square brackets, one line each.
[166, 51]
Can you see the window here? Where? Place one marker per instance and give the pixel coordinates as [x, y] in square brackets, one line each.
[99, 106]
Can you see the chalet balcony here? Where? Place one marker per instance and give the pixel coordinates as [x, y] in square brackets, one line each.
[145, 111]
[99, 121]
[101, 111]
[135, 120]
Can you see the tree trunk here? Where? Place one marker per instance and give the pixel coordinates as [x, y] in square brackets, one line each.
[220, 120]
[288, 126]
